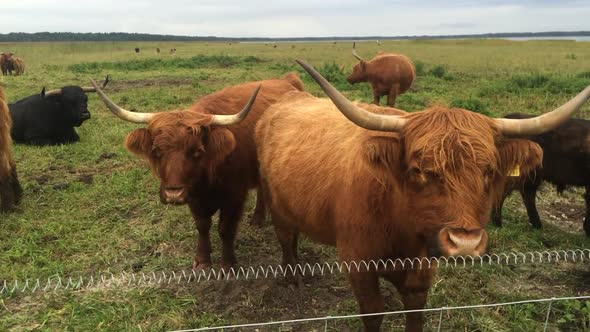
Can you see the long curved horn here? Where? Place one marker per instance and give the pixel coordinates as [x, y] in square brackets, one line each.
[121, 112]
[51, 93]
[545, 122]
[357, 56]
[92, 89]
[226, 120]
[354, 113]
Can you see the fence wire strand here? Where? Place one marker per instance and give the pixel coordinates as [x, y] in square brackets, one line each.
[388, 313]
[139, 279]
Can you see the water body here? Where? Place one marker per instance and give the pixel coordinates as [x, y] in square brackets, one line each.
[576, 38]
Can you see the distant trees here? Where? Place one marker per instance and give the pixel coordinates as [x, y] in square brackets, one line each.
[122, 36]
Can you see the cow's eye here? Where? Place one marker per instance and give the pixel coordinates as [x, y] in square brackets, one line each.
[415, 171]
[197, 153]
[157, 153]
[434, 175]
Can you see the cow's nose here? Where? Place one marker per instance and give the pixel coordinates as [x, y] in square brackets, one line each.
[175, 195]
[459, 241]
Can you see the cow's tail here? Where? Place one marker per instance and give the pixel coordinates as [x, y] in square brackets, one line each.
[295, 80]
[6, 162]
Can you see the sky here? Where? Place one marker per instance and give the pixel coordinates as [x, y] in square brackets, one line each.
[301, 18]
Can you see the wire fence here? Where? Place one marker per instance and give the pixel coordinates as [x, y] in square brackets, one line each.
[144, 279]
[328, 319]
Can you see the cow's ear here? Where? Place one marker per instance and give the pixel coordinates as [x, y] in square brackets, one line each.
[43, 92]
[383, 153]
[219, 144]
[140, 142]
[519, 157]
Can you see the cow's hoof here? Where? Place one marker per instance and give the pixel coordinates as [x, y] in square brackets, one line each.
[199, 266]
[256, 221]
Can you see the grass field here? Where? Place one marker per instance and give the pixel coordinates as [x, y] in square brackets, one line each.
[92, 207]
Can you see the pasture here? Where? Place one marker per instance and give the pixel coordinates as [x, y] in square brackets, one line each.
[92, 207]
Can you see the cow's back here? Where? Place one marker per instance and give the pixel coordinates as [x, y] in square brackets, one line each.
[30, 112]
[312, 167]
[389, 68]
[242, 163]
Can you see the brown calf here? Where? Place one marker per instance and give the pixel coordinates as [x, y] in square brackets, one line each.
[389, 75]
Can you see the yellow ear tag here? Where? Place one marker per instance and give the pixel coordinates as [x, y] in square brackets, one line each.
[515, 171]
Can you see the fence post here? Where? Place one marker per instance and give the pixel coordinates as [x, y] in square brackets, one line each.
[548, 312]
[326, 324]
[440, 318]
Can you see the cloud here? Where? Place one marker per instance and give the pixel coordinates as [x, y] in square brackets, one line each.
[263, 18]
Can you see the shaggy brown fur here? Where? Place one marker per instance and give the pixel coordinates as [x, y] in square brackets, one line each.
[10, 189]
[19, 66]
[381, 195]
[389, 75]
[210, 168]
[6, 63]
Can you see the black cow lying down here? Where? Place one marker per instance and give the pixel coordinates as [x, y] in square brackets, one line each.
[566, 162]
[49, 118]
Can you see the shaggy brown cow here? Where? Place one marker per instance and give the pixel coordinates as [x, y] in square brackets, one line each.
[19, 66]
[207, 158]
[6, 63]
[389, 75]
[388, 184]
[10, 189]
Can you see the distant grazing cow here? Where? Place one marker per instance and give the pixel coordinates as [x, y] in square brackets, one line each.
[172, 50]
[10, 189]
[380, 183]
[566, 162]
[205, 156]
[158, 50]
[19, 66]
[137, 50]
[389, 75]
[6, 63]
[49, 118]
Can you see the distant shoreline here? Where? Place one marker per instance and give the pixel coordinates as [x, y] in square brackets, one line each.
[139, 37]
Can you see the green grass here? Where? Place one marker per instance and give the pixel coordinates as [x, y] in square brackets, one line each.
[115, 223]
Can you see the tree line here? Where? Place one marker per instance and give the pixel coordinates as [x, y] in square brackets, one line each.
[123, 36]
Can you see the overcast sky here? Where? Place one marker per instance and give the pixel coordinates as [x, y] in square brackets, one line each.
[301, 18]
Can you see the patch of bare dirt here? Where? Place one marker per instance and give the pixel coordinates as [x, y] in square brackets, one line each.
[566, 210]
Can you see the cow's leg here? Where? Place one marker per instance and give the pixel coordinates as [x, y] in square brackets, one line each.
[70, 135]
[497, 209]
[529, 193]
[229, 217]
[392, 95]
[7, 194]
[203, 221]
[16, 187]
[376, 97]
[365, 286]
[260, 209]
[587, 220]
[287, 237]
[413, 287]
